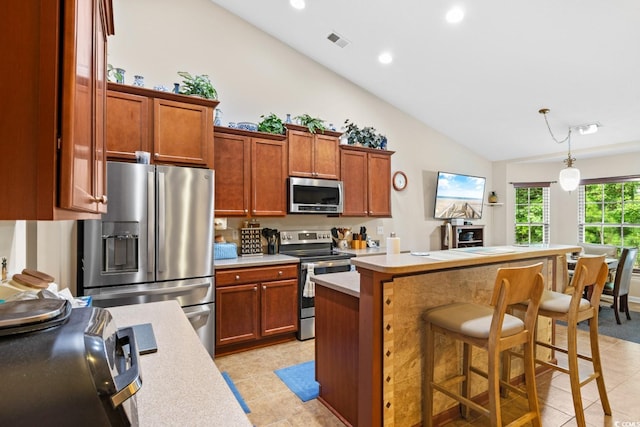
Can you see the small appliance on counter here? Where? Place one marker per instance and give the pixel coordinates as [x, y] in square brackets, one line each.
[64, 366]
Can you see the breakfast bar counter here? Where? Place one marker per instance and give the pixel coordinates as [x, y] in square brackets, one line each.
[385, 317]
[180, 383]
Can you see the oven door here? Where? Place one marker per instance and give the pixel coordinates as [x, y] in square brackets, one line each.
[307, 305]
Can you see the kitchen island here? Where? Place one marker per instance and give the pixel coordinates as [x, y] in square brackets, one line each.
[180, 383]
[394, 291]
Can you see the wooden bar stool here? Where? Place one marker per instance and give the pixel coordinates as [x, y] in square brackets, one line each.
[490, 328]
[572, 308]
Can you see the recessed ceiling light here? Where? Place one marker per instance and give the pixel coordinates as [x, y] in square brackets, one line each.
[455, 15]
[385, 58]
[297, 4]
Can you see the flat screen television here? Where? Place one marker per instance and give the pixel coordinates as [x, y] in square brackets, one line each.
[459, 196]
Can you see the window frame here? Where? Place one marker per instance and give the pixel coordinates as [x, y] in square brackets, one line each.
[546, 211]
[604, 224]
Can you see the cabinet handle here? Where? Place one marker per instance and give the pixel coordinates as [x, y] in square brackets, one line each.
[237, 277]
[264, 287]
[102, 199]
[246, 211]
[279, 273]
[255, 289]
[156, 155]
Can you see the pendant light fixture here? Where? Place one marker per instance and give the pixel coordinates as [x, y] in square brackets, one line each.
[569, 177]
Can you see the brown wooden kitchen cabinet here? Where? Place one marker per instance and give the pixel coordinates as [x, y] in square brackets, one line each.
[366, 175]
[175, 129]
[53, 165]
[313, 155]
[251, 173]
[255, 306]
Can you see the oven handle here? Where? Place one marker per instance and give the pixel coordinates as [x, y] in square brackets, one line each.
[321, 264]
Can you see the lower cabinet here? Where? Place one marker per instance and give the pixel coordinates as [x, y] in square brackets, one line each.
[255, 306]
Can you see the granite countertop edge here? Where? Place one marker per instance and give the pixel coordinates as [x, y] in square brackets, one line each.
[254, 261]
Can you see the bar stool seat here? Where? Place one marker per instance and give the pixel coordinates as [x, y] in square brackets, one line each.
[493, 329]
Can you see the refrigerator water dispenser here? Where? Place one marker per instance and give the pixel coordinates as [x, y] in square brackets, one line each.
[120, 246]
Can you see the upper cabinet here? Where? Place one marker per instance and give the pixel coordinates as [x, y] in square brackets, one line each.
[175, 129]
[366, 174]
[251, 173]
[313, 155]
[53, 114]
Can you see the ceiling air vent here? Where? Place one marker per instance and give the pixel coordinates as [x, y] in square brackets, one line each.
[338, 39]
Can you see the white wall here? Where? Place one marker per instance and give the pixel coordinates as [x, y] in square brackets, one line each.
[255, 74]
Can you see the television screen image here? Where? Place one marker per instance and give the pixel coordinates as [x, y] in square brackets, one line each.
[459, 196]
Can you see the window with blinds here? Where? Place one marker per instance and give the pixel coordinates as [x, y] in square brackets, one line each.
[609, 211]
[531, 213]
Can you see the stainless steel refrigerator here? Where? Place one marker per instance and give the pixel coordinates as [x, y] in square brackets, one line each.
[154, 244]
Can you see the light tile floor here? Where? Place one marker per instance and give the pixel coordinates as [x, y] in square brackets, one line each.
[272, 404]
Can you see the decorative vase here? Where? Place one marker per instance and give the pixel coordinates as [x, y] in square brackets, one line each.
[288, 119]
[138, 81]
[218, 117]
[176, 88]
[493, 197]
[119, 74]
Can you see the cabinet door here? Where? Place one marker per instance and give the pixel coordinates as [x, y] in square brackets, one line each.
[237, 315]
[353, 165]
[128, 125]
[279, 307]
[182, 133]
[81, 186]
[268, 177]
[379, 180]
[233, 175]
[326, 157]
[301, 148]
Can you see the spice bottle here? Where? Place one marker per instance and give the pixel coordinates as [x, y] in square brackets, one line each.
[4, 269]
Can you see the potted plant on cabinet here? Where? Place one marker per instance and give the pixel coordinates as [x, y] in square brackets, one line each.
[365, 137]
[271, 124]
[314, 124]
[197, 85]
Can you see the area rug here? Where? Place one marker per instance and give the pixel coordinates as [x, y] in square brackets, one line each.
[301, 379]
[629, 330]
[236, 393]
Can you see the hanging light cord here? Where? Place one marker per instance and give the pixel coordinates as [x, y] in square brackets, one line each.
[569, 160]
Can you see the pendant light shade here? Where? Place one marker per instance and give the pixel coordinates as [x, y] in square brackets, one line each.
[569, 178]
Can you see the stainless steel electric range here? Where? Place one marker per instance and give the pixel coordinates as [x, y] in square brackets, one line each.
[317, 256]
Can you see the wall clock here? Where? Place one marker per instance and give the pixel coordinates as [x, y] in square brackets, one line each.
[399, 181]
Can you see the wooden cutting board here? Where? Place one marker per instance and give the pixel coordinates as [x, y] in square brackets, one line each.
[38, 275]
[33, 282]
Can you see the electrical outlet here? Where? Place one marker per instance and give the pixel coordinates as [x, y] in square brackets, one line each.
[380, 230]
[235, 234]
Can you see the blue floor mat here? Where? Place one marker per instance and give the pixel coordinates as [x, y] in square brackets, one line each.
[236, 393]
[301, 380]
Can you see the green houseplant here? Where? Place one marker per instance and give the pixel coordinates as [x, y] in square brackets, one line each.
[366, 137]
[197, 85]
[271, 124]
[314, 124]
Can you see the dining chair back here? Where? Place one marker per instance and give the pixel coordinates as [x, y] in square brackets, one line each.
[619, 288]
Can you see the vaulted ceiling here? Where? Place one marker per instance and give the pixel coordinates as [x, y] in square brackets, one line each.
[482, 81]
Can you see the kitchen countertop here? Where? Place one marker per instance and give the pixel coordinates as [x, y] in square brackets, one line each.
[180, 383]
[346, 282]
[367, 251]
[254, 261]
[409, 263]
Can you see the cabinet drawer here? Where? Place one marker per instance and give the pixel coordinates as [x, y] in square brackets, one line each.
[256, 275]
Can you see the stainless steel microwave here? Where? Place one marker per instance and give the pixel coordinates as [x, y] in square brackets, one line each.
[323, 196]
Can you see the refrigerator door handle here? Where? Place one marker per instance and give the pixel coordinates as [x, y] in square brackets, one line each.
[173, 291]
[161, 222]
[150, 223]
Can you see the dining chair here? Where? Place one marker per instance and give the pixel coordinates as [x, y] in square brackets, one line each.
[619, 288]
[571, 308]
[491, 328]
